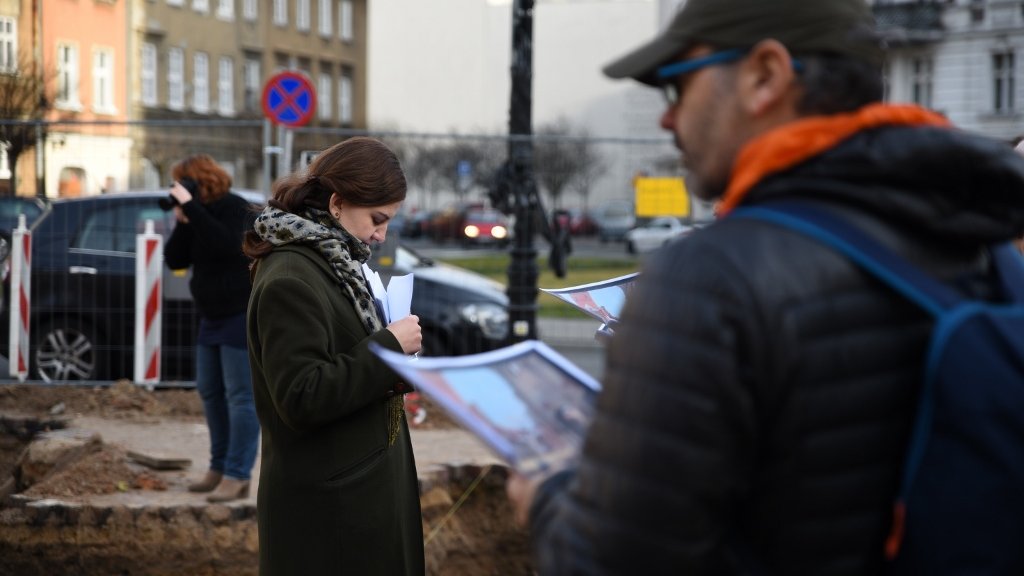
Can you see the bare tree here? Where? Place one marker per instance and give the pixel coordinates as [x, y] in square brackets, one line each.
[564, 157]
[437, 167]
[22, 98]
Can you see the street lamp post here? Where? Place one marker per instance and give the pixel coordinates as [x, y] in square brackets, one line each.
[518, 175]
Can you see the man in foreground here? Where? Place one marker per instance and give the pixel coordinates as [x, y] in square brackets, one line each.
[760, 388]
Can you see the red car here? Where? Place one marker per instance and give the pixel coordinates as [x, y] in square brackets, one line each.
[483, 226]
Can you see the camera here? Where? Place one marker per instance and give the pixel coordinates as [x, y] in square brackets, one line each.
[170, 202]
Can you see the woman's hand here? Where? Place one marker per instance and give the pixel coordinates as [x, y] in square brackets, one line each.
[182, 195]
[407, 331]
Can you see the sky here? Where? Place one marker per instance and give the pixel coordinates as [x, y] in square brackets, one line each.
[443, 65]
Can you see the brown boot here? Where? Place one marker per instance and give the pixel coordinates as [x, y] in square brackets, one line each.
[208, 483]
[229, 489]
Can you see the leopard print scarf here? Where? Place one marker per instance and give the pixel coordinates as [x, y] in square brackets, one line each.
[345, 253]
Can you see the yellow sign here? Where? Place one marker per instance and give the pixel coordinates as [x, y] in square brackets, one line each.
[661, 197]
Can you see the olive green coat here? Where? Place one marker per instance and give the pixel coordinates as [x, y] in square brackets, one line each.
[334, 496]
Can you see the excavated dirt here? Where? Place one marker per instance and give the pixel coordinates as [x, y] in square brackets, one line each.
[471, 537]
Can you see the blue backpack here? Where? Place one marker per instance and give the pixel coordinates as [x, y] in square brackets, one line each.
[960, 507]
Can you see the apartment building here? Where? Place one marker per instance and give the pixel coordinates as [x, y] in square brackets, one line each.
[962, 58]
[201, 66]
[79, 47]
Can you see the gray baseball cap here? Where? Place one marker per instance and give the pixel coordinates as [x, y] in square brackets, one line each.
[844, 27]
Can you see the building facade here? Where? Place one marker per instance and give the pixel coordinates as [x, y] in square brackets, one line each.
[133, 86]
[961, 58]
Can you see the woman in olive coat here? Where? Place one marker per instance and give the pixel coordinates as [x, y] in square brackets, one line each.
[338, 491]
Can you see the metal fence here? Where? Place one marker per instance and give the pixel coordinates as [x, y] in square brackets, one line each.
[83, 294]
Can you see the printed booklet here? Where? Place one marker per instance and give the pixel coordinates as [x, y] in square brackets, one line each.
[602, 300]
[527, 402]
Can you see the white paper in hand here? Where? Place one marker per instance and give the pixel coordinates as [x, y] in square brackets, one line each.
[378, 292]
[400, 296]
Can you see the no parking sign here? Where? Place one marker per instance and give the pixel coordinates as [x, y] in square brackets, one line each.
[289, 99]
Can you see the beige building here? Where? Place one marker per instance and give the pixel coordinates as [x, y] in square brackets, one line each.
[199, 67]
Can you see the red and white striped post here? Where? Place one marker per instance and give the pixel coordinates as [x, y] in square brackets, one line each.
[149, 262]
[20, 301]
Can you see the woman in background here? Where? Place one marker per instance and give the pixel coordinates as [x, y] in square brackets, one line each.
[338, 487]
[208, 238]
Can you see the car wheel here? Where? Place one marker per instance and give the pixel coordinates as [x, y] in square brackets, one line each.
[67, 351]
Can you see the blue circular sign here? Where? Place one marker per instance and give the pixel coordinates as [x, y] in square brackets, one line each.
[289, 99]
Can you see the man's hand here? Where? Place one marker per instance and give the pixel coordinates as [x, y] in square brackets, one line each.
[521, 491]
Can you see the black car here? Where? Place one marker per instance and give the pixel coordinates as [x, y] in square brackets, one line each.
[83, 294]
[11, 207]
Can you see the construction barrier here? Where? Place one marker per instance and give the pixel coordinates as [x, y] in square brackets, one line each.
[21, 292]
[149, 262]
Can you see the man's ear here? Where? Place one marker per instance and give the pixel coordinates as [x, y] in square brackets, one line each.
[766, 79]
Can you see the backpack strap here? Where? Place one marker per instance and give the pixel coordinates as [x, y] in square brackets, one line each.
[835, 232]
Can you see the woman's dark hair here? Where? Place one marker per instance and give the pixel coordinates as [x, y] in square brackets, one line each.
[834, 84]
[361, 170]
[213, 181]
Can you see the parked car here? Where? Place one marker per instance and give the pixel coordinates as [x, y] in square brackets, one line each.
[614, 220]
[470, 224]
[83, 294]
[484, 226]
[655, 234]
[11, 207]
[581, 223]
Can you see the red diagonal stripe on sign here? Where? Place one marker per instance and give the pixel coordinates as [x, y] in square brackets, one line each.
[288, 100]
[23, 306]
[150, 247]
[152, 306]
[153, 366]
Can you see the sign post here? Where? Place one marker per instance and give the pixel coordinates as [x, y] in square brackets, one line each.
[149, 264]
[20, 304]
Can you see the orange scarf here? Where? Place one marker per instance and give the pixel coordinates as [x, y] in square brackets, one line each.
[788, 145]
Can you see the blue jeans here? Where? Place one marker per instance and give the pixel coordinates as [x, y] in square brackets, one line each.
[224, 382]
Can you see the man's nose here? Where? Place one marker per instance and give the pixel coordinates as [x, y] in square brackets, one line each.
[667, 120]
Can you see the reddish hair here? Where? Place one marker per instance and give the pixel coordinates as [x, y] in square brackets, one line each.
[213, 181]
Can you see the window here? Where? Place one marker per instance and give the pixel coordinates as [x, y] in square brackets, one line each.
[8, 44]
[200, 82]
[1003, 89]
[103, 80]
[226, 86]
[115, 228]
[250, 10]
[251, 82]
[175, 2]
[921, 81]
[345, 97]
[281, 12]
[176, 79]
[201, 6]
[325, 19]
[324, 104]
[148, 74]
[67, 76]
[302, 15]
[345, 20]
[226, 9]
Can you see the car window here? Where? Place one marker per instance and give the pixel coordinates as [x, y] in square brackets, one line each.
[115, 228]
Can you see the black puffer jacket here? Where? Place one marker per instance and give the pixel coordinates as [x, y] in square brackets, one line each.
[759, 390]
[211, 243]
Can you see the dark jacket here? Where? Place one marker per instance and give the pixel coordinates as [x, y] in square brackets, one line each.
[334, 496]
[211, 243]
[759, 390]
